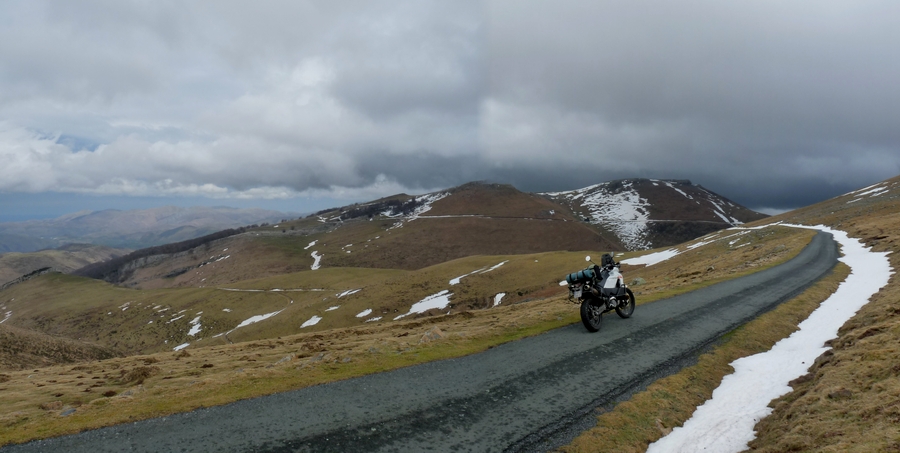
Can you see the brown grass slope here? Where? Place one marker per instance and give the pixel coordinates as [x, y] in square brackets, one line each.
[850, 400]
[22, 349]
[64, 259]
[475, 219]
[151, 320]
[125, 389]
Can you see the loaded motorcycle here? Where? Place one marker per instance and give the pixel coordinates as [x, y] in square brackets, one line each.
[600, 289]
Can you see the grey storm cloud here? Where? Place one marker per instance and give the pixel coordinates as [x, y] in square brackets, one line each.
[774, 104]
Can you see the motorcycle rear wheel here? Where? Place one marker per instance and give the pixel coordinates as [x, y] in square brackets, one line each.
[591, 316]
[628, 309]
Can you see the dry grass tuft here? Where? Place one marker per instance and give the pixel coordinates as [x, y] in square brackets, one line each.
[139, 375]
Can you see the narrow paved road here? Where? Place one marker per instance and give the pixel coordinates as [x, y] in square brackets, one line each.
[506, 398]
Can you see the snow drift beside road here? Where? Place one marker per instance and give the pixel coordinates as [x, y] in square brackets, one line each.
[725, 422]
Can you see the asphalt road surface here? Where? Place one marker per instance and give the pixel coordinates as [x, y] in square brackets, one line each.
[510, 398]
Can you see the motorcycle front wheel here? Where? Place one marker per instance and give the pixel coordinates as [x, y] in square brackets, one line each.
[626, 310]
[591, 316]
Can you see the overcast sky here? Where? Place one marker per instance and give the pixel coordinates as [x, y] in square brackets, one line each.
[299, 105]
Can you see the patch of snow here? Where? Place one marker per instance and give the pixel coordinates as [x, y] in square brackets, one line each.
[498, 298]
[364, 313]
[181, 346]
[483, 270]
[649, 259]
[876, 191]
[310, 244]
[725, 422]
[348, 292]
[867, 190]
[195, 326]
[439, 301]
[678, 190]
[377, 318]
[318, 259]
[722, 216]
[6, 316]
[455, 281]
[175, 319]
[255, 319]
[311, 322]
[425, 202]
[333, 308]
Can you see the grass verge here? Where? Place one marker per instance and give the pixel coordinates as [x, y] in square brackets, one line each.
[649, 415]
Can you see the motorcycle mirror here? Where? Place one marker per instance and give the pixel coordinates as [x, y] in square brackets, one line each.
[587, 258]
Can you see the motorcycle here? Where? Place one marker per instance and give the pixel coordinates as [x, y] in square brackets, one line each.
[600, 289]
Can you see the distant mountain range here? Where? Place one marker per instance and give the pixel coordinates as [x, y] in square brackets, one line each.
[131, 229]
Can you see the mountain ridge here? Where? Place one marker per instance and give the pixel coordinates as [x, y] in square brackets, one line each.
[128, 229]
[648, 213]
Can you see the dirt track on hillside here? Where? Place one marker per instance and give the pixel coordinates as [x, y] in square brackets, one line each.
[511, 397]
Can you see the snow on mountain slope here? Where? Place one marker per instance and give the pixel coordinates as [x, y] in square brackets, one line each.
[646, 213]
[623, 211]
